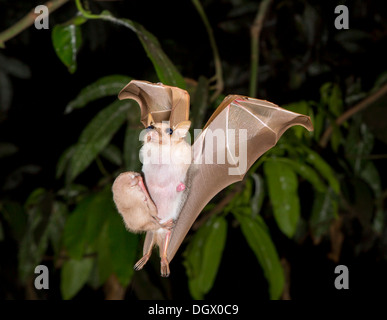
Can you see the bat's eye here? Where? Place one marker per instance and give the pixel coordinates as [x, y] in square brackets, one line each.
[151, 127]
[169, 131]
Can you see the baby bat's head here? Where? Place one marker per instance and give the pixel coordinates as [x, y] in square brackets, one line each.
[162, 133]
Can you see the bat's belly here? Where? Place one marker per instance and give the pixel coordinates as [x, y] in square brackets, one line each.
[166, 199]
[163, 190]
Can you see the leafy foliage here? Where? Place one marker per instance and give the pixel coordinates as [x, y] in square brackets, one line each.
[300, 189]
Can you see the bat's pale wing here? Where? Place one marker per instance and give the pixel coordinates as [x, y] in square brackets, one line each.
[163, 103]
[237, 134]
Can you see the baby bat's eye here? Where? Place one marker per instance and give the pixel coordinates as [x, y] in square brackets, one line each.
[151, 127]
[169, 131]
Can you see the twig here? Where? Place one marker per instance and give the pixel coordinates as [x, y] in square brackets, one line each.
[101, 167]
[286, 292]
[255, 32]
[27, 21]
[84, 12]
[113, 289]
[218, 65]
[346, 115]
[219, 207]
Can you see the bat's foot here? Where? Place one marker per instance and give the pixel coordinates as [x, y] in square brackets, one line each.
[164, 267]
[141, 263]
[169, 224]
[180, 187]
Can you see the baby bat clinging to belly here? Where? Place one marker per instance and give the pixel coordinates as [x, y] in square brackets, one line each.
[166, 157]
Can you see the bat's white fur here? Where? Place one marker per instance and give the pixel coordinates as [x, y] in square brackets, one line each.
[170, 157]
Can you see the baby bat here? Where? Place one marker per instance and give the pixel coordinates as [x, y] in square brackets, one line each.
[249, 127]
[134, 204]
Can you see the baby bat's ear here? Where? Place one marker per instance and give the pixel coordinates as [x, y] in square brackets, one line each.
[180, 130]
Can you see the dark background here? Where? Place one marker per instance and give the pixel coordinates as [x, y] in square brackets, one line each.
[36, 124]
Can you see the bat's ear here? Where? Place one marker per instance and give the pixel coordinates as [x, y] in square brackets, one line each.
[180, 130]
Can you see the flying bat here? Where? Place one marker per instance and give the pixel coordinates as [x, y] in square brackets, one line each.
[239, 131]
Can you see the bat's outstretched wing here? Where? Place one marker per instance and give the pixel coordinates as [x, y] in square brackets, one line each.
[244, 128]
[158, 102]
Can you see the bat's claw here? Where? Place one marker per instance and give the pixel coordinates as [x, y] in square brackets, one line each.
[134, 174]
[140, 263]
[134, 179]
[169, 224]
[165, 267]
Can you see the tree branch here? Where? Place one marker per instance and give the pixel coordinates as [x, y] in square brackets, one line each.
[349, 113]
[255, 32]
[27, 21]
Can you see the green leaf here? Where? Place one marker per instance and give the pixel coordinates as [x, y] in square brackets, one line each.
[336, 137]
[259, 240]
[352, 40]
[98, 210]
[123, 248]
[380, 81]
[67, 41]
[132, 145]
[318, 125]
[74, 238]
[335, 101]
[74, 275]
[360, 142]
[371, 175]
[103, 87]
[331, 97]
[96, 136]
[212, 253]
[203, 256]
[16, 218]
[35, 241]
[113, 154]
[14, 67]
[378, 224]
[165, 69]
[282, 185]
[200, 103]
[73, 191]
[104, 262]
[64, 160]
[323, 168]
[259, 194]
[305, 171]
[325, 209]
[85, 223]
[7, 149]
[56, 226]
